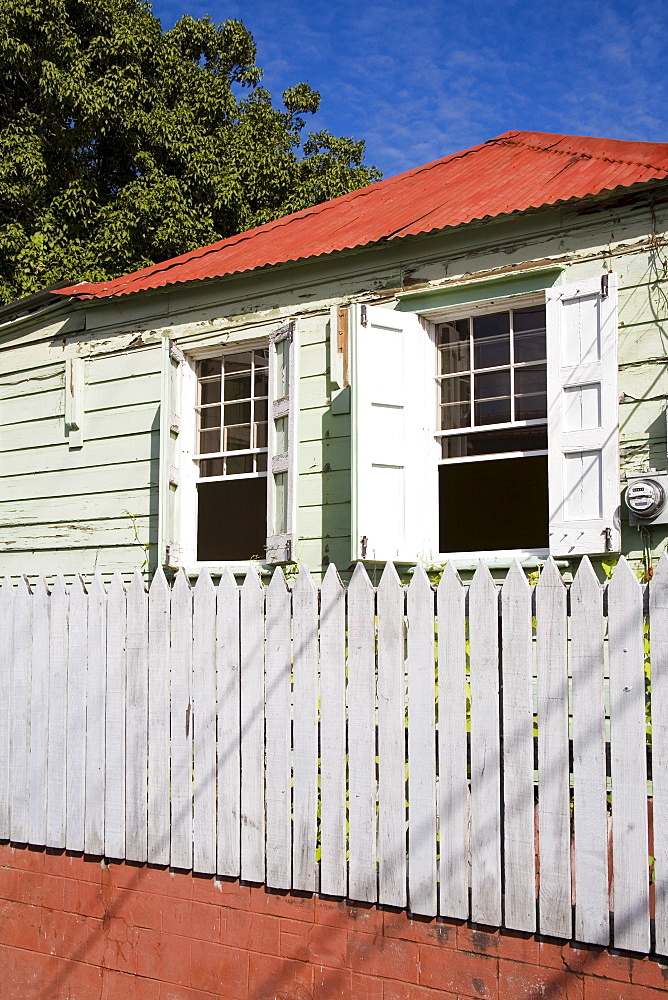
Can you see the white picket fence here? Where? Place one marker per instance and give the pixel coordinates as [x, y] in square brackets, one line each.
[370, 744]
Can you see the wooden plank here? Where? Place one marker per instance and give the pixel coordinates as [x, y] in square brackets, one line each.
[590, 823]
[22, 685]
[332, 735]
[453, 785]
[391, 741]
[136, 722]
[114, 762]
[362, 878]
[252, 729]
[77, 661]
[96, 710]
[485, 750]
[158, 719]
[204, 723]
[36, 747]
[305, 731]
[658, 623]
[229, 726]
[277, 729]
[518, 782]
[628, 765]
[56, 763]
[554, 825]
[6, 683]
[181, 723]
[422, 891]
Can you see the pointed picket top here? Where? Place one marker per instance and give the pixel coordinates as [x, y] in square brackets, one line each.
[585, 580]
[516, 578]
[40, 588]
[137, 583]
[658, 587]
[331, 582]
[77, 589]
[483, 581]
[6, 585]
[96, 588]
[449, 578]
[23, 587]
[277, 584]
[116, 586]
[252, 580]
[304, 583]
[59, 589]
[159, 585]
[181, 582]
[359, 582]
[389, 581]
[420, 583]
[661, 570]
[204, 583]
[549, 577]
[227, 586]
[623, 579]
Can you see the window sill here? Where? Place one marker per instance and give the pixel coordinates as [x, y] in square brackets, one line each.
[236, 568]
[498, 558]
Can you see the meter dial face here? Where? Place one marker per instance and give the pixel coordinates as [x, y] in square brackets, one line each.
[645, 497]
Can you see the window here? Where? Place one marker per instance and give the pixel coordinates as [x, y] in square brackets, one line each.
[231, 455]
[492, 430]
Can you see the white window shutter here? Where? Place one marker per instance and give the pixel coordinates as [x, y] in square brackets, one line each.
[281, 470]
[583, 423]
[168, 472]
[394, 470]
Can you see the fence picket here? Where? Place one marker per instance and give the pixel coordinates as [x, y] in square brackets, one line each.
[204, 724]
[421, 747]
[361, 738]
[77, 661]
[658, 604]
[305, 736]
[391, 741]
[159, 652]
[181, 853]
[114, 762]
[56, 754]
[590, 821]
[136, 722]
[37, 709]
[332, 735]
[554, 820]
[229, 721]
[518, 781]
[28, 623]
[6, 684]
[485, 750]
[96, 696]
[628, 763]
[278, 719]
[252, 729]
[453, 784]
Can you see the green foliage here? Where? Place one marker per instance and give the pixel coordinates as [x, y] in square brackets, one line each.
[122, 145]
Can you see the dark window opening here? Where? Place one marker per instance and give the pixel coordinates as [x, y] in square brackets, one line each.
[232, 519]
[499, 504]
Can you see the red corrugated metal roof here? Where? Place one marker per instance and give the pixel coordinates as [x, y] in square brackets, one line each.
[512, 173]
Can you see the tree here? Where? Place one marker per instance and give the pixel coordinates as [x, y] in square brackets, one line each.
[122, 145]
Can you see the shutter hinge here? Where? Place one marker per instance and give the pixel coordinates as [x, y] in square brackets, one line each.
[364, 541]
[608, 539]
[288, 550]
[363, 315]
[604, 286]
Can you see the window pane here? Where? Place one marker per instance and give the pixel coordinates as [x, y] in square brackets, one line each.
[237, 437]
[209, 416]
[532, 318]
[492, 411]
[280, 503]
[529, 334]
[211, 467]
[261, 358]
[210, 391]
[237, 387]
[261, 462]
[209, 368]
[530, 394]
[260, 435]
[209, 441]
[456, 390]
[454, 343]
[491, 340]
[455, 402]
[492, 397]
[494, 442]
[236, 465]
[232, 519]
[237, 413]
[261, 383]
[261, 409]
[238, 362]
[455, 415]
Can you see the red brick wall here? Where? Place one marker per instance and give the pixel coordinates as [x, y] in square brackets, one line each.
[73, 928]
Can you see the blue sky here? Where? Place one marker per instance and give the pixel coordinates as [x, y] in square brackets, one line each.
[420, 81]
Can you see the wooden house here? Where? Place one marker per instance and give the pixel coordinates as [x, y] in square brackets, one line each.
[464, 361]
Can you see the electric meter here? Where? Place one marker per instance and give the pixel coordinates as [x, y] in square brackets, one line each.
[646, 498]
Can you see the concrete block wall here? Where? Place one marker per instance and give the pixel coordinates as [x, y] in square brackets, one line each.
[73, 928]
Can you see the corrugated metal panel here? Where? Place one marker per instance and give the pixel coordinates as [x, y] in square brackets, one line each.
[512, 173]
